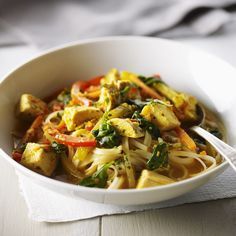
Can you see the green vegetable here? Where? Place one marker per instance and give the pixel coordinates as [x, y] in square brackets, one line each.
[137, 102]
[98, 179]
[216, 133]
[150, 80]
[107, 136]
[58, 148]
[125, 90]
[64, 97]
[20, 147]
[199, 140]
[159, 157]
[140, 104]
[147, 125]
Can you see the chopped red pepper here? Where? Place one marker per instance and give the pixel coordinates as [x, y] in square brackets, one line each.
[95, 81]
[75, 141]
[81, 86]
[71, 140]
[17, 156]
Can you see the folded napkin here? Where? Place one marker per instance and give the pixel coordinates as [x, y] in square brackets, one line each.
[49, 23]
[45, 205]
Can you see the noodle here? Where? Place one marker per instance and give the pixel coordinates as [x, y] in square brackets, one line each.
[147, 139]
[53, 115]
[138, 144]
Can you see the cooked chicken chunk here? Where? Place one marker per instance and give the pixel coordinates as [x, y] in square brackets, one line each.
[161, 115]
[37, 158]
[126, 127]
[185, 104]
[151, 179]
[76, 115]
[31, 107]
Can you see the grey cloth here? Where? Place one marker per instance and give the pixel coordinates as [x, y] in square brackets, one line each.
[48, 23]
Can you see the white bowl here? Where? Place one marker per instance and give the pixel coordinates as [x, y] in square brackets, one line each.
[208, 78]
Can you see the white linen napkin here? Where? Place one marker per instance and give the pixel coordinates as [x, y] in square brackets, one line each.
[49, 23]
[48, 206]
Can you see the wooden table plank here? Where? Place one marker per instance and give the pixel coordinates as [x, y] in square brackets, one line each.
[208, 218]
[14, 215]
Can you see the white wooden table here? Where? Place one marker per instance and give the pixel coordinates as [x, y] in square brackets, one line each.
[209, 218]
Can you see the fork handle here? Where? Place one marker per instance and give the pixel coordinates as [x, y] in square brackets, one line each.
[224, 149]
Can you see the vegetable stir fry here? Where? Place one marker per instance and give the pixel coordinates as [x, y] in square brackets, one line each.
[116, 131]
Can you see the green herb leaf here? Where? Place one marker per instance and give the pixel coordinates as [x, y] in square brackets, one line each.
[64, 97]
[216, 133]
[58, 148]
[107, 136]
[20, 147]
[150, 80]
[159, 157]
[147, 125]
[137, 102]
[125, 90]
[98, 179]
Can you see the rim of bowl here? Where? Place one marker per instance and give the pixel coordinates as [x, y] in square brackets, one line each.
[70, 186]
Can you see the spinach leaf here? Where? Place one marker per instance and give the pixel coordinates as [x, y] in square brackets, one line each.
[20, 147]
[107, 136]
[125, 90]
[140, 104]
[150, 80]
[58, 148]
[216, 133]
[159, 157]
[147, 125]
[64, 97]
[137, 102]
[98, 179]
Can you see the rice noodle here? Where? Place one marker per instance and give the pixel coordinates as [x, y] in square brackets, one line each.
[112, 173]
[71, 152]
[117, 182]
[175, 156]
[102, 159]
[91, 169]
[210, 159]
[147, 139]
[53, 115]
[137, 161]
[125, 144]
[144, 154]
[128, 165]
[111, 151]
[184, 170]
[88, 160]
[139, 145]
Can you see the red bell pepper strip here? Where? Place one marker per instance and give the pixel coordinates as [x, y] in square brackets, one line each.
[17, 156]
[71, 140]
[75, 141]
[95, 81]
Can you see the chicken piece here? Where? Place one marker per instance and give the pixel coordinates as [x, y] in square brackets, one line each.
[122, 111]
[111, 77]
[184, 103]
[114, 91]
[76, 115]
[38, 159]
[126, 127]
[109, 97]
[161, 115]
[151, 179]
[30, 107]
